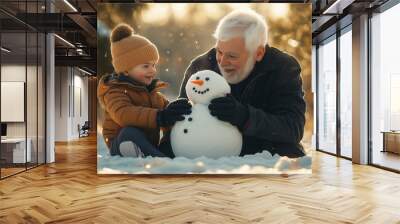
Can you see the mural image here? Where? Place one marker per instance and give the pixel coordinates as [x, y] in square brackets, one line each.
[204, 88]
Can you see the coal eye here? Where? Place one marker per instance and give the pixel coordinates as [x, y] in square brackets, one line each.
[197, 78]
[207, 78]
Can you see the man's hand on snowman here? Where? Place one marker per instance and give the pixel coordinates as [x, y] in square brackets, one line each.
[173, 112]
[230, 110]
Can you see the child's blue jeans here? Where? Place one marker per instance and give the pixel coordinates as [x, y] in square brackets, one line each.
[137, 137]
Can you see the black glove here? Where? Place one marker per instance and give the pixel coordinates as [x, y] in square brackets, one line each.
[230, 110]
[173, 112]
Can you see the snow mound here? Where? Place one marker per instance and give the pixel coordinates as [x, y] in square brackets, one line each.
[259, 163]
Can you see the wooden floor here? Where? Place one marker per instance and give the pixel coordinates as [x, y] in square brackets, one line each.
[10, 171]
[70, 191]
[387, 159]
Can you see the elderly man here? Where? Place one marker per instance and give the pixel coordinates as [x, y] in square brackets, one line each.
[266, 102]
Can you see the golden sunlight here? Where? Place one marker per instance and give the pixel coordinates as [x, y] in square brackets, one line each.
[278, 10]
[160, 10]
[179, 11]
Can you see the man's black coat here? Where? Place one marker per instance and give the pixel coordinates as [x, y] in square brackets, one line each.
[274, 95]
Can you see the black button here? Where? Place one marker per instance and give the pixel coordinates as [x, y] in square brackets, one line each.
[190, 119]
[185, 131]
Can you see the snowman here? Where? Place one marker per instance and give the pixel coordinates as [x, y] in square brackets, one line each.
[202, 134]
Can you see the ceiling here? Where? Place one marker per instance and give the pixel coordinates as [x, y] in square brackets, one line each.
[75, 22]
[331, 15]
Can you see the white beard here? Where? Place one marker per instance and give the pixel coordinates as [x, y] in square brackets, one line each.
[239, 76]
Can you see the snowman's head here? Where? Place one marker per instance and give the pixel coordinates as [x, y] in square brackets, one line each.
[203, 86]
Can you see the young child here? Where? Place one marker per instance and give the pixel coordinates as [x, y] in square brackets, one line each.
[135, 110]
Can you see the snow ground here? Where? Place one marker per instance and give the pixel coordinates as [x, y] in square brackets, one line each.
[260, 163]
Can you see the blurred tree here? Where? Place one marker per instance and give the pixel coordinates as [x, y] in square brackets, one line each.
[182, 31]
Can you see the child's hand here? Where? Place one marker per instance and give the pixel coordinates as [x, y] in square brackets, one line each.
[180, 105]
[173, 112]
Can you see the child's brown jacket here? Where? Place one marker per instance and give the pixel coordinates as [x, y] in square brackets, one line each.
[127, 103]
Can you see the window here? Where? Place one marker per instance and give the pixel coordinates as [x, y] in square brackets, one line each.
[385, 88]
[346, 93]
[327, 95]
[22, 75]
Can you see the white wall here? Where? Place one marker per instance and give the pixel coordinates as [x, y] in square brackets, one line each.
[61, 103]
[33, 127]
[71, 94]
[16, 73]
[13, 73]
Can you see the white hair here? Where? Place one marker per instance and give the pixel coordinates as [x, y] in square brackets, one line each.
[245, 23]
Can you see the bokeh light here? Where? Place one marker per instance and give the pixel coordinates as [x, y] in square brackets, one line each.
[183, 31]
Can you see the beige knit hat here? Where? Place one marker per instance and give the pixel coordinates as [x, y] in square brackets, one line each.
[129, 49]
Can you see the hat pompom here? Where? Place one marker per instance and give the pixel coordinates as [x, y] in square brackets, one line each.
[120, 32]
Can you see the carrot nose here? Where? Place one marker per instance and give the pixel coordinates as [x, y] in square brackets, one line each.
[198, 82]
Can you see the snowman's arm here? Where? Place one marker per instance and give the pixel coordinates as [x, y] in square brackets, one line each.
[166, 129]
[124, 113]
[188, 73]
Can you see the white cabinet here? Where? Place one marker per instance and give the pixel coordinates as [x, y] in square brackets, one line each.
[16, 146]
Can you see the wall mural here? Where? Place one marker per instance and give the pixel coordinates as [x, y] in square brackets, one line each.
[204, 88]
